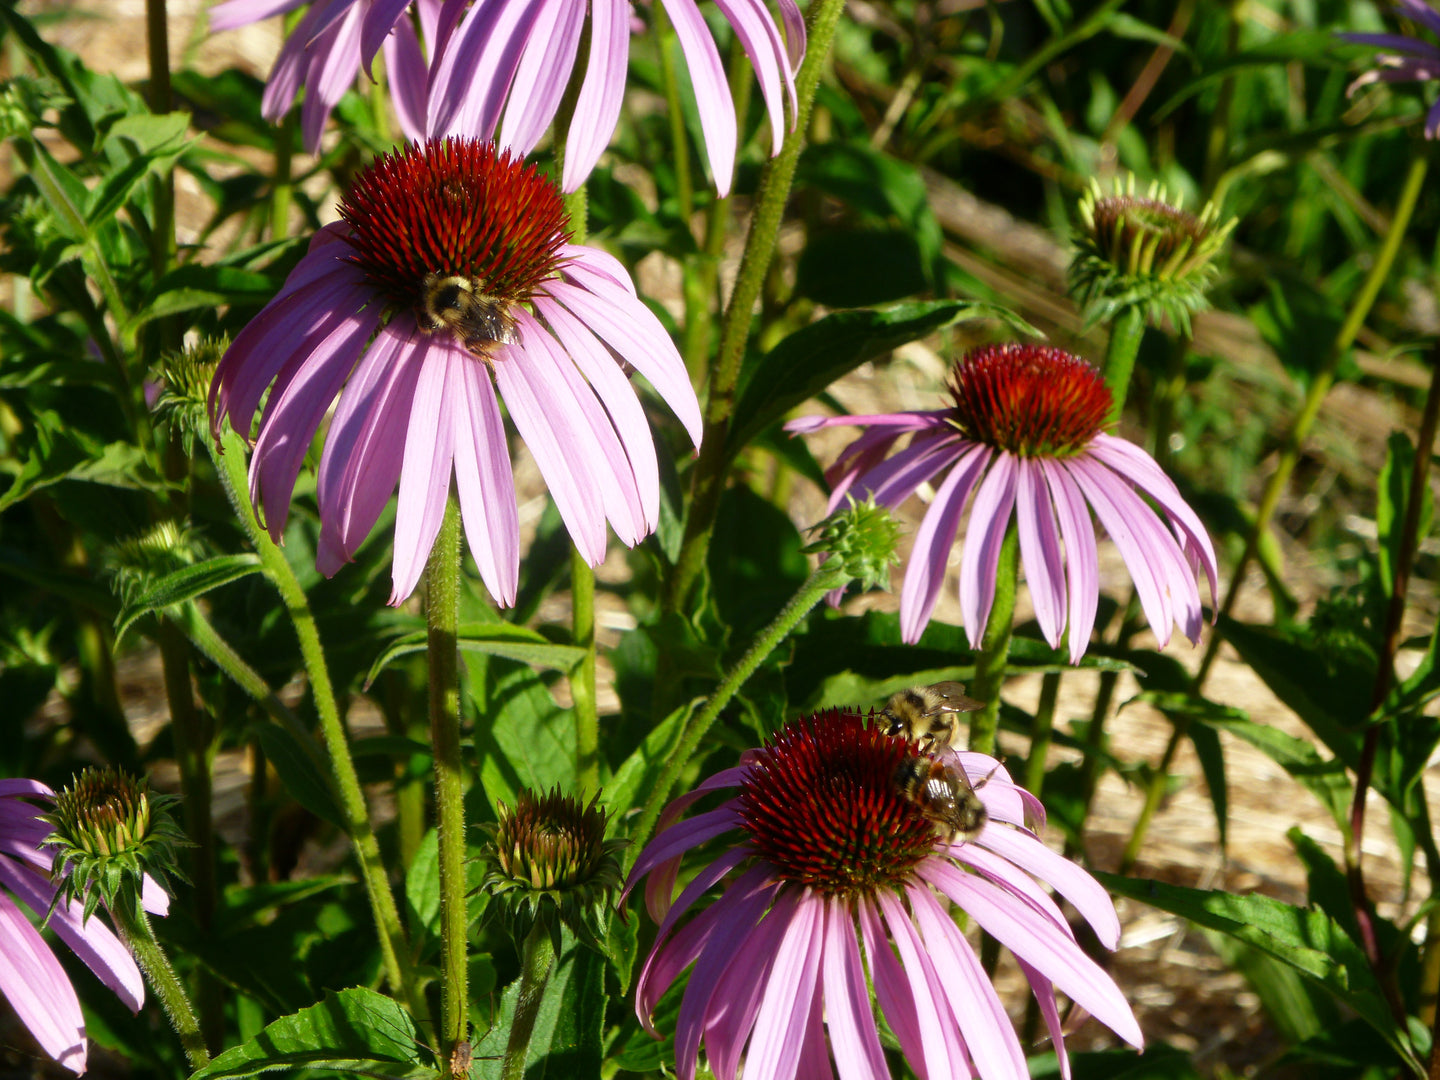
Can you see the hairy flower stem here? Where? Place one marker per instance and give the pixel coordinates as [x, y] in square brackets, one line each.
[442, 620]
[994, 648]
[1384, 675]
[776, 180]
[582, 679]
[394, 949]
[1290, 451]
[537, 957]
[190, 729]
[1126, 333]
[134, 926]
[829, 575]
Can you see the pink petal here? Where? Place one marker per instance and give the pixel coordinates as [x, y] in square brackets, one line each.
[989, 520]
[425, 472]
[485, 485]
[38, 989]
[633, 331]
[683, 837]
[473, 77]
[760, 38]
[712, 90]
[1065, 877]
[1010, 878]
[543, 74]
[944, 1054]
[814, 1063]
[858, 1054]
[382, 17]
[333, 69]
[1040, 550]
[925, 574]
[780, 1027]
[892, 990]
[598, 261]
[409, 79]
[597, 109]
[1045, 998]
[1082, 562]
[233, 13]
[989, 1037]
[736, 1001]
[1033, 939]
[20, 786]
[153, 897]
[896, 479]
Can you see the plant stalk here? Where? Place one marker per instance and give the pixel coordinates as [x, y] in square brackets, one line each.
[442, 620]
[582, 679]
[776, 180]
[537, 957]
[994, 648]
[829, 575]
[1126, 333]
[134, 926]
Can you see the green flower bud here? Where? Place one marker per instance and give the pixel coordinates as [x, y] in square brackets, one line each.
[863, 537]
[550, 862]
[185, 379]
[110, 831]
[1144, 251]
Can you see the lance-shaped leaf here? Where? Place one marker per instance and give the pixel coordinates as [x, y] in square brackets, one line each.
[187, 583]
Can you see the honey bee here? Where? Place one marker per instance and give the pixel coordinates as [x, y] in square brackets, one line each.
[480, 322]
[944, 795]
[929, 715]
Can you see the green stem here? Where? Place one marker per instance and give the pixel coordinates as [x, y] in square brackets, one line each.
[1319, 386]
[442, 619]
[1042, 734]
[192, 754]
[776, 180]
[134, 926]
[830, 575]
[995, 646]
[666, 44]
[1126, 333]
[537, 956]
[582, 680]
[229, 461]
[282, 189]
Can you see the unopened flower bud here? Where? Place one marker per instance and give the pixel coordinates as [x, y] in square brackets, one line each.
[863, 537]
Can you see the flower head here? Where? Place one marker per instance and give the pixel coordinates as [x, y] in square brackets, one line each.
[31, 979]
[827, 846]
[517, 57]
[113, 839]
[1145, 251]
[1024, 434]
[1414, 61]
[549, 860]
[450, 270]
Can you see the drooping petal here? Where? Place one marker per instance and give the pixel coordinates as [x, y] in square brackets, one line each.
[619, 399]
[11, 787]
[1040, 550]
[682, 837]
[233, 13]
[892, 990]
[760, 39]
[409, 79]
[1032, 938]
[735, 1004]
[91, 940]
[381, 18]
[712, 90]
[633, 331]
[486, 486]
[1044, 992]
[37, 988]
[425, 472]
[780, 1026]
[989, 519]
[989, 1037]
[333, 67]
[925, 574]
[471, 80]
[543, 74]
[858, 1054]
[597, 109]
[1082, 560]
[940, 1038]
[1010, 878]
[895, 479]
[365, 445]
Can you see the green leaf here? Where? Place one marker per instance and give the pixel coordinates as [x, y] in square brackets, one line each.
[623, 790]
[812, 358]
[492, 639]
[296, 767]
[355, 1031]
[524, 739]
[1307, 940]
[61, 189]
[187, 583]
[1394, 492]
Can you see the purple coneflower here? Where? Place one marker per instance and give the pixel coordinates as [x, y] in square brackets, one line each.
[829, 845]
[1025, 435]
[452, 268]
[1417, 61]
[517, 57]
[31, 979]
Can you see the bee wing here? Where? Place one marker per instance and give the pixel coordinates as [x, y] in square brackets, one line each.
[955, 698]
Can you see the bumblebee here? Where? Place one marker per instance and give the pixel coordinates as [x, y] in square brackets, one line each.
[929, 715]
[944, 795]
[480, 322]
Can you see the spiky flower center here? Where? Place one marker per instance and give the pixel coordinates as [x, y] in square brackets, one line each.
[819, 802]
[1126, 223]
[550, 841]
[104, 812]
[455, 209]
[1032, 400]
